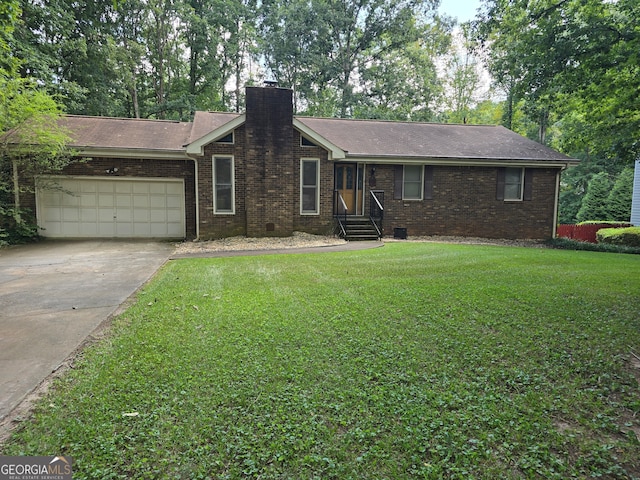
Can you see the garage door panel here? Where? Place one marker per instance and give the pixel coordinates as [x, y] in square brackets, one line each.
[159, 188]
[106, 200]
[123, 187]
[157, 201]
[140, 216]
[89, 207]
[123, 201]
[88, 187]
[124, 229]
[174, 216]
[87, 215]
[123, 215]
[106, 229]
[173, 202]
[70, 214]
[70, 200]
[88, 229]
[140, 202]
[88, 200]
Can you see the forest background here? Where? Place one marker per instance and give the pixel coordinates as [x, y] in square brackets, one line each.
[565, 73]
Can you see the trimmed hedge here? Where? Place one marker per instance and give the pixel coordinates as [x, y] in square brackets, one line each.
[605, 222]
[568, 244]
[629, 237]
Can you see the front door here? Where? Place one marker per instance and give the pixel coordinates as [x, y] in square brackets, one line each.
[349, 186]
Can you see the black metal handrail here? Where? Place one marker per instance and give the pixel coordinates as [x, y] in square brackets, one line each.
[376, 210]
[340, 203]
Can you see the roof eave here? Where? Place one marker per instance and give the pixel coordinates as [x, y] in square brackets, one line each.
[197, 146]
[459, 161]
[108, 152]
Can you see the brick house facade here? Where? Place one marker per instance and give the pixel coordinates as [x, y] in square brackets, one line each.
[269, 173]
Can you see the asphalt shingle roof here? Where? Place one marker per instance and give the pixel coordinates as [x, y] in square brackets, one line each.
[376, 138]
[359, 138]
[126, 133]
[206, 122]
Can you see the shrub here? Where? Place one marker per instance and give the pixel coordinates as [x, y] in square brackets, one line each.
[569, 244]
[613, 224]
[12, 232]
[594, 203]
[629, 237]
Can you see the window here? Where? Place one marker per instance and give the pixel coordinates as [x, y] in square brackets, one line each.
[412, 182]
[309, 191]
[305, 142]
[226, 139]
[224, 197]
[513, 183]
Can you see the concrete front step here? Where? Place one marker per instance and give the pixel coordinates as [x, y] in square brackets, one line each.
[360, 229]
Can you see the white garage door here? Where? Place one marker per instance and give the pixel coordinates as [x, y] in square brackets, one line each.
[108, 208]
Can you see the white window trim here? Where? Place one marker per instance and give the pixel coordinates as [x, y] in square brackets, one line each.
[404, 169]
[233, 185]
[317, 161]
[521, 185]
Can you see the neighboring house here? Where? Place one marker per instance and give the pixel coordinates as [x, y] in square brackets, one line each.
[268, 173]
[635, 198]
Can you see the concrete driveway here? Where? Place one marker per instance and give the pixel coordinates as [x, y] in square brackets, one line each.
[53, 294]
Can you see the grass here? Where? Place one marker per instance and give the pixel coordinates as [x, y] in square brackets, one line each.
[409, 361]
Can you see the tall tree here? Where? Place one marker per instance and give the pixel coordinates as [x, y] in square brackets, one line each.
[344, 51]
[462, 78]
[594, 203]
[363, 31]
[31, 142]
[399, 85]
[578, 53]
[619, 200]
[294, 39]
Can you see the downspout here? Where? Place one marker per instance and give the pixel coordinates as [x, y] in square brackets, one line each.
[556, 202]
[196, 193]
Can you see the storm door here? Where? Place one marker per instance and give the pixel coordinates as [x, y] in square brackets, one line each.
[349, 183]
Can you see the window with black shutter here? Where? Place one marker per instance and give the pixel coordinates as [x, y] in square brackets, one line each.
[514, 184]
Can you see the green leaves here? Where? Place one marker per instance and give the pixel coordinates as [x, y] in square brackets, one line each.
[571, 57]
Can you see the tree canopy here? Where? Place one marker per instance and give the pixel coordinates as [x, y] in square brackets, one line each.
[576, 60]
[567, 72]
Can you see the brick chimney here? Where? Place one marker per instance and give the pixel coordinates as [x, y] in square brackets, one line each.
[270, 168]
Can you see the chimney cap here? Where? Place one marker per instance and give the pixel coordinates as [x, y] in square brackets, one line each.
[270, 83]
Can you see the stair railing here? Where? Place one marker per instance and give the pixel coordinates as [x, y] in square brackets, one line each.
[376, 210]
[341, 213]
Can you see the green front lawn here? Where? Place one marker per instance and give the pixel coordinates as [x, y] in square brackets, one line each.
[408, 361]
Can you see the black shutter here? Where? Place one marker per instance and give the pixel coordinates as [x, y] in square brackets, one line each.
[500, 183]
[428, 182]
[397, 182]
[528, 184]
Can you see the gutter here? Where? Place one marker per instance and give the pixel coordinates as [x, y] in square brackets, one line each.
[197, 195]
[463, 162]
[556, 202]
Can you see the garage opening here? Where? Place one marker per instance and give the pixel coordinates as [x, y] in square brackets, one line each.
[97, 207]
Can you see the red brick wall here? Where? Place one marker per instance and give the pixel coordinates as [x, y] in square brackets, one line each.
[464, 204]
[270, 166]
[222, 225]
[275, 187]
[321, 224]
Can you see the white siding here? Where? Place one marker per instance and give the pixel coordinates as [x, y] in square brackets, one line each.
[635, 202]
